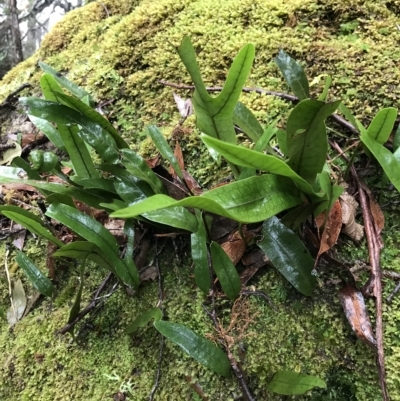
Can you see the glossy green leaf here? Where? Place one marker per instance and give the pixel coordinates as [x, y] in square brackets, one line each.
[281, 136]
[43, 161]
[22, 212]
[21, 163]
[136, 165]
[396, 139]
[350, 117]
[129, 231]
[93, 115]
[64, 82]
[251, 200]
[328, 82]
[77, 151]
[177, 217]
[382, 125]
[294, 75]
[200, 255]
[35, 276]
[129, 192]
[83, 250]
[163, 147]
[199, 348]
[299, 215]
[307, 143]
[143, 319]
[49, 130]
[50, 88]
[388, 161]
[288, 254]
[32, 225]
[256, 160]
[99, 183]
[215, 114]
[225, 271]
[93, 231]
[247, 122]
[292, 383]
[74, 312]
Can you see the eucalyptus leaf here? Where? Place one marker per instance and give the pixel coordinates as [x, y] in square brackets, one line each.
[288, 255]
[35, 276]
[199, 348]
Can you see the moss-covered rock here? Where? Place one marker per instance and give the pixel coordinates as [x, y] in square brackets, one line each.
[119, 55]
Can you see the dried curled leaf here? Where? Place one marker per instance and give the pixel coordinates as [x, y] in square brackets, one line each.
[235, 246]
[356, 313]
[349, 206]
[332, 228]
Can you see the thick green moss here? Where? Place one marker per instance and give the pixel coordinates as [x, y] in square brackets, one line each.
[121, 58]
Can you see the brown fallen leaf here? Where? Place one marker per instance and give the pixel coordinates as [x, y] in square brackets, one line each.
[332, 228]
[349, 206]
[191, 183]
[356, 313]
[153, 162]
[235, 246]
[377, 214]
[179, 155]
[149, 274]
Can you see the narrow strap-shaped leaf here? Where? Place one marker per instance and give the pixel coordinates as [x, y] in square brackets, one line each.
[21, 163]
[22, 212]
[35, 276]
[93, 231]
[177, 217]
[294, 75]
[247, 122]
[49, 130]
[33, 226]
[350, 117]
[252, 200]
[64, 82]
[99, 183]
[50, 88]
[82, 250]
[256, 160]
[129, 231]
[74, 312]
[164, 149]
[291, 383]
[143, 319]
[226, 271]
[200, 255]
[199, 348]
[306, 140]
[77, 151]
[388, 161]
[215, 114]
[288, 255]
[382, 125]
[93, 115]
[138, 167]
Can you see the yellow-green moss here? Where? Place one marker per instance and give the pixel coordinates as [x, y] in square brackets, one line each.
[121, 58]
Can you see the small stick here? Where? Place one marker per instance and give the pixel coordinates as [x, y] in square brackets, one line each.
[394, 292]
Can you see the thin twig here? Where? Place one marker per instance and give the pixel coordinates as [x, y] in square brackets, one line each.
[394, 292]
[12, 95]
[338, 119]
[374, 284]
[259, 293]
[96, 300]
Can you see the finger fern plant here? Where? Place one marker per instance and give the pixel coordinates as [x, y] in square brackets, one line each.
[108, 175]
